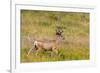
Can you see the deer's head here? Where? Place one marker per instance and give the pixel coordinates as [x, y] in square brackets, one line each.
[59, 33]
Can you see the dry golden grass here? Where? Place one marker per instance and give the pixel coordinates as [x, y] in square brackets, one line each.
[42, 24]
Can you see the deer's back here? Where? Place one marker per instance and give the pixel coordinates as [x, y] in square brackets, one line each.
[47, 45]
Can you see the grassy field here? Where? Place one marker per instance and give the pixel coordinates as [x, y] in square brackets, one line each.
[42, 24]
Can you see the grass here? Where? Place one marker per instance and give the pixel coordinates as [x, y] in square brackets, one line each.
[63, 55]
[42, 24]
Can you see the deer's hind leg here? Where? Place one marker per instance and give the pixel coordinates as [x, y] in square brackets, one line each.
[38, 51]
[33, 47]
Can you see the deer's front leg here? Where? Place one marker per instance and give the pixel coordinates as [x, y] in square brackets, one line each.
[54, 49]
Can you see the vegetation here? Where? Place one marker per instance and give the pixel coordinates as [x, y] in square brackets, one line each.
[42, 25]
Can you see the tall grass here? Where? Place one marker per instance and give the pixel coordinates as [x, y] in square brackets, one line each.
[42, 24]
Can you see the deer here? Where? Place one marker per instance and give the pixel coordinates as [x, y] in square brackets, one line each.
[47, 45]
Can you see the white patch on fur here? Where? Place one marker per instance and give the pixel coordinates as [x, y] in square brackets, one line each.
[35, 43]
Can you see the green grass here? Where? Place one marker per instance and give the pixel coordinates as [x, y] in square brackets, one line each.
[42, 24]
[63, 55]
